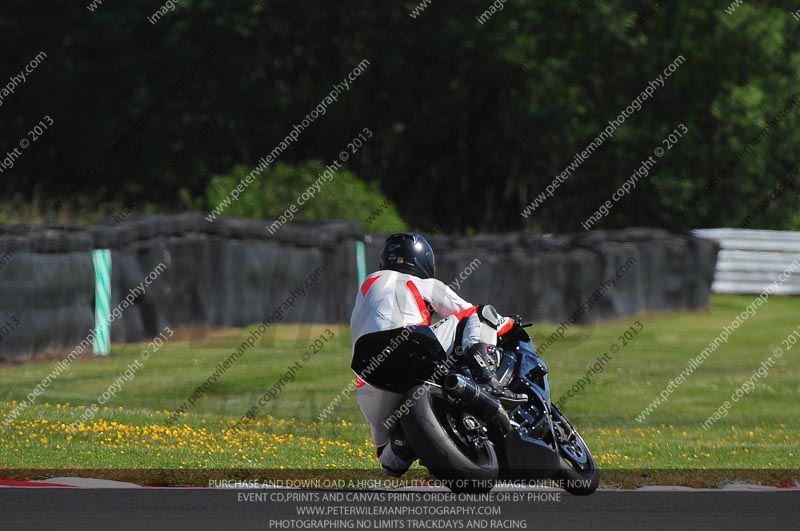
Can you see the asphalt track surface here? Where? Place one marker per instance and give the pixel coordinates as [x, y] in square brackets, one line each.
[199, 509]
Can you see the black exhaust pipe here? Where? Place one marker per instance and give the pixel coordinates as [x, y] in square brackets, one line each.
[478, 401]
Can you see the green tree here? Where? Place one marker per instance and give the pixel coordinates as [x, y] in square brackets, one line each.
[441, 95]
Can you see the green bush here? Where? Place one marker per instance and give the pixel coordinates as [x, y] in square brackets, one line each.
[344, 196]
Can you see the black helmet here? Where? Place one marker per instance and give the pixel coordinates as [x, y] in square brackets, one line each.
[410, 253]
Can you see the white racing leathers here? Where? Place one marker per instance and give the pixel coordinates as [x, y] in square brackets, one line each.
[388, 300]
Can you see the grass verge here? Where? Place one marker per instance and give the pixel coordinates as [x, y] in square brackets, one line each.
[130, 431]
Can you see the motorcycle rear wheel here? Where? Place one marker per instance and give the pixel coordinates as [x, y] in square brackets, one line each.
[447, 442]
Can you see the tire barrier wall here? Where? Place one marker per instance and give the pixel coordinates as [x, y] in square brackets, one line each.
[227, 273]
[555, 278]
[232, 273]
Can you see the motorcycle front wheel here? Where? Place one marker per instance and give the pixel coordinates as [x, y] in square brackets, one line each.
[450, 442]
[578, 473]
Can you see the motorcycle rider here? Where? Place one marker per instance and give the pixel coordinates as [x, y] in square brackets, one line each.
[404, 293]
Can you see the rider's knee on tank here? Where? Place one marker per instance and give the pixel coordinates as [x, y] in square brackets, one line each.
[488, 315]
[480, 327]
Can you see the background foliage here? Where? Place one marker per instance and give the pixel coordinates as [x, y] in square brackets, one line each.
[128, 99]
[281, 185]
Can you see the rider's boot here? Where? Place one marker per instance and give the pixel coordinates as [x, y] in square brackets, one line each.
[482, 361]
[396, 456]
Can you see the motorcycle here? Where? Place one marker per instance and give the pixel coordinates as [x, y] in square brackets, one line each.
[470, 438]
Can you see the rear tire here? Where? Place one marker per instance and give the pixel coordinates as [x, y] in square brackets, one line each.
[464, 460]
